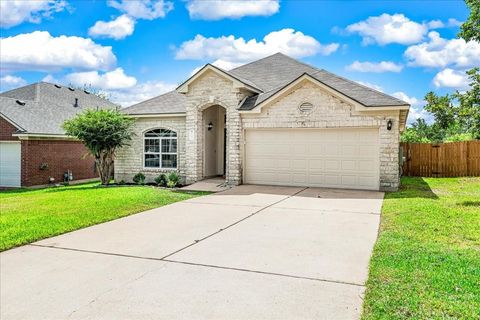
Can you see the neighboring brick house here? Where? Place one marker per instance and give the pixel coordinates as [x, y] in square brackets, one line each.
[275, 121]
[33, 146]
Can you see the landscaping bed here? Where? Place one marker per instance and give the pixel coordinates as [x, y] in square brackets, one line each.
[426, 262]
[28, 215]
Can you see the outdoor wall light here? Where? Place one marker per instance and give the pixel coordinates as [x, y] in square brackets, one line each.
[389, 124]
[210, 126]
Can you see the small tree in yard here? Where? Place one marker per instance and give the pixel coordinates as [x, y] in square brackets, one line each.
[102, 132]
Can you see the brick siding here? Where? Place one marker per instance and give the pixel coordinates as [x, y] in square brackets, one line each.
[6, 130]
[59, 156]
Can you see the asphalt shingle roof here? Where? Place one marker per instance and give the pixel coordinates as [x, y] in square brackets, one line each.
[270, 75]
[46, 106]
[170, 102]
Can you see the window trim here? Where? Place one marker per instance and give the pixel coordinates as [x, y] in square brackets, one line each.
[160, 153]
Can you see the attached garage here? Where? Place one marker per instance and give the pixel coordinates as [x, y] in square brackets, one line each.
[10, 164]
[336, 158]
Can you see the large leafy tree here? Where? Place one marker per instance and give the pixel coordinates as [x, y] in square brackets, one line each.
[103, 132]
[470, 29]
[469, 104]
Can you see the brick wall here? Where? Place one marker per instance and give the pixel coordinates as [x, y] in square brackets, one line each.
[6, 130]
[59, 156]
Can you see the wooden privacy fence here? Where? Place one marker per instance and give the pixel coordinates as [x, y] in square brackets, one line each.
[453, 159]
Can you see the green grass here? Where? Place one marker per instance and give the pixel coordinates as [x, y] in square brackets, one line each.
[28, 215]
[426, 262]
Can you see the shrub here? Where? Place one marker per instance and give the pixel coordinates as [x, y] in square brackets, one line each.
[459, 137]
[122, 182]
[161, 180]
[139, 178]
[173, 179]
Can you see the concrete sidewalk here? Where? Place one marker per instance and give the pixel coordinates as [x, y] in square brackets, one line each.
[251, 252]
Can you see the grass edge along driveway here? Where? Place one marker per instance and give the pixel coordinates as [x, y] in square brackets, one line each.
[28, 215]
[426, 262]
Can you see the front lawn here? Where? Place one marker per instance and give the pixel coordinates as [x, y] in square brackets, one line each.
[426, 262]
[28, 215]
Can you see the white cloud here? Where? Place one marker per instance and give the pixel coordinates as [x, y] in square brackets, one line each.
[440, 52]
[140, 92]
[452, 22]
[50, 78]
[9, 82]
[143, 9]
[125, 92]
[404, 97]
[42, 52]
[13, 13]
[231, 51]
[386, 29]
[439, 24]
[370, 85]
[378, 67]
[416, 110]
[116, 29]
[116, 79]
[451, 79]
[435, 24]
[233, 9]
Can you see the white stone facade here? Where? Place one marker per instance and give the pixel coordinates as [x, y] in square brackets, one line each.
[331, 112]
[129, 160]
[212, 89]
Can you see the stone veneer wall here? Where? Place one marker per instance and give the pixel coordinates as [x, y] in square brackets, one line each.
[330, 112]
[208, 90]
[129, 160]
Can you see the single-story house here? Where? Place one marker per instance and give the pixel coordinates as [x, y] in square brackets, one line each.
[34, 149]
[274, 121]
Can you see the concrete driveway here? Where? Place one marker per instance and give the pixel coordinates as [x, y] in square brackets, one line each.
[252, 252]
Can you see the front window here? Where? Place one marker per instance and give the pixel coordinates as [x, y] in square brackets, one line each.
[160, 149]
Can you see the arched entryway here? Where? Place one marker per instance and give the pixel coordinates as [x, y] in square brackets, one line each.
[214, 141]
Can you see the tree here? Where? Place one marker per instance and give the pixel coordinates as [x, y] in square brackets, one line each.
[92, 90]
[469, 110]
[103, 132]
[470, 29]
[442, 108]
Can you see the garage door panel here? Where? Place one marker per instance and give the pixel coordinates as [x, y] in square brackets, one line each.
[349, 165]
[10, 164]
[367, 151]
[343, 158]
[348, 180]
[366, 181]
[315, 164]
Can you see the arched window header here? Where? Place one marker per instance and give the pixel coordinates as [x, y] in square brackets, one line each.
[160, 133]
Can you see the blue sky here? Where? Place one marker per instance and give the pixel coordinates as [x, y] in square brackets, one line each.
[138, 49]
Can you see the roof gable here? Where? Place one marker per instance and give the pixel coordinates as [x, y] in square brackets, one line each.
[238, 82]
[268, 97]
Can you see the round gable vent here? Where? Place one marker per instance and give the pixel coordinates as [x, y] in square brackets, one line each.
[305, 108]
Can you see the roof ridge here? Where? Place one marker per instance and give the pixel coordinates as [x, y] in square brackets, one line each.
[361, 85]
[254, 61]
[299, 61]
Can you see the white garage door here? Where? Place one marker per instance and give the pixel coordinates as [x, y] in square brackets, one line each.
[336, 158]
[10, 163]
